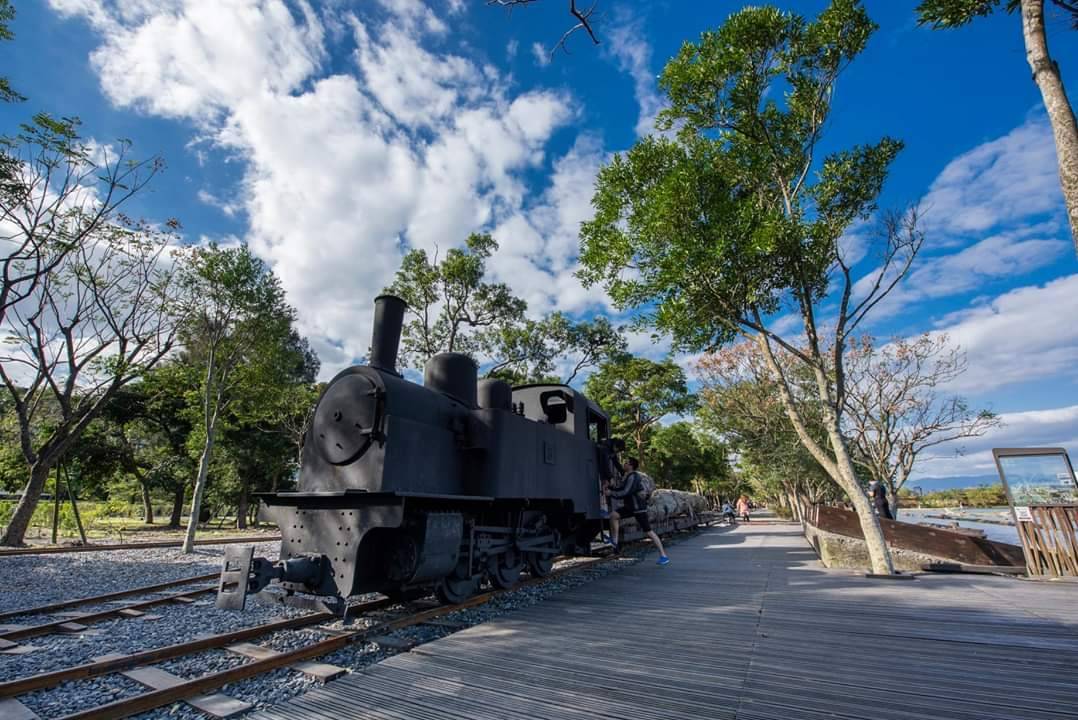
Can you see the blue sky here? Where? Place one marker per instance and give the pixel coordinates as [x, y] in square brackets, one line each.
[330, 136]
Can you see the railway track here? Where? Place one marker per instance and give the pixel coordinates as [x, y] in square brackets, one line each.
[271, 660]
[55, 549]
[107, 597]
[176, 689]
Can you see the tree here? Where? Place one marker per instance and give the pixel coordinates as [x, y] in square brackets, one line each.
[534, 350]
[104, 315]
[254, 431]
[57, 194]
[1046, 75]
[740, 401]
[637, 393]
[234, 336]
[684, 457]
[453, 308]
[450, 306]
[895, 409]
[712, 233]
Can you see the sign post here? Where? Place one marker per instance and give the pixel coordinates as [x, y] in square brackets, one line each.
[1043, 496]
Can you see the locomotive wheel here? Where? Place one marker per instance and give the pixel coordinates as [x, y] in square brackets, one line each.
[452, 590]
[505, 569]
[539, 566]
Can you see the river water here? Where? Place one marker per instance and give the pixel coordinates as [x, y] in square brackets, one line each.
[967, 517]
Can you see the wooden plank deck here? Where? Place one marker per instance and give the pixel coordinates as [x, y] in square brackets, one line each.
[744, 624]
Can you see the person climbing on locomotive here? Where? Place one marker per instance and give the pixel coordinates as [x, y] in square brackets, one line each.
[632, 505]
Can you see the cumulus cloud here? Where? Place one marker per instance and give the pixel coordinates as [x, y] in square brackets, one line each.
[538, 245]
[994, 213]
[1054, 427]
[1012, 177]
[1022, 335]
[541, 54]
[632, 52]
[407, 146]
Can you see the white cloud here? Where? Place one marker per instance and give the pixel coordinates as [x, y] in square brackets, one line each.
[541, 54]
[633, 55]
[411, 146]
[538, 244]
[996, 183]
[511, 49]
[1054, 427]
[994, 213]
[1022, 335]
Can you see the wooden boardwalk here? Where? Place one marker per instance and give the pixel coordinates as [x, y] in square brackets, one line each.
[746, 624]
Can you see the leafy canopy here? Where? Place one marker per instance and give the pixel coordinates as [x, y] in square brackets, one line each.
[710, 229]
[637, 393]
[450, 305]
[956, 13]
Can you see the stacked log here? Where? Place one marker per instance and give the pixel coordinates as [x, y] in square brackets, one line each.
[674, 503]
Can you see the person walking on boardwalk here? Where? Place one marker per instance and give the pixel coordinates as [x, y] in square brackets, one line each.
[634, 503]
[879, 500]
[743, 507]
[728, 512]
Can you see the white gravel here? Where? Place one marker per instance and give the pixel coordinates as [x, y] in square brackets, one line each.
[51, 578]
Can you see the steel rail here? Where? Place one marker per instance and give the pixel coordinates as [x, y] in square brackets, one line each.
[88, 618]
[156, 698]
[146, 589]
[53, 549]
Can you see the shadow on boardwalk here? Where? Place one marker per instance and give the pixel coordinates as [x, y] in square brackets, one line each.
[744, 623]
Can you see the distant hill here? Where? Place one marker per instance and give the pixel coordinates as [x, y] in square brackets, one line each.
[952, 483]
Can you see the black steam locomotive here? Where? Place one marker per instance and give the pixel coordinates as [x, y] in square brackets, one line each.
[403, 486]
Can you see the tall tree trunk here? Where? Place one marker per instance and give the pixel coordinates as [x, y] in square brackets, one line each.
[241, 509]
[1060, 114]
[837, 463]
[147, 503]
[177, 506]
[892, 500]
[24, 511]
[200, 489]
[878, 552]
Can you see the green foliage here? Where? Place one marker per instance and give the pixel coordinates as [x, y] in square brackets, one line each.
[956, 13]
[7, 14]
[452, 308]
[739, 401]
[637, 393]
[726, 222]
[682, 457]
[89, 513]
[535, 350]
[983, 496]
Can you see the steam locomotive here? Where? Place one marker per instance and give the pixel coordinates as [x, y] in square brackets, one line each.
[404, 487]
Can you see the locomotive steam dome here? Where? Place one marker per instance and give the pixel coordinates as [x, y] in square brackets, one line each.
[345, 417]
[452, 374]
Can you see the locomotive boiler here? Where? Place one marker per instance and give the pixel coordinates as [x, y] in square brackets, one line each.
[406, 487]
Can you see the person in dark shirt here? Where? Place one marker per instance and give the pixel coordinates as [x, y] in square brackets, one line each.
[631, 506]
[879, 500]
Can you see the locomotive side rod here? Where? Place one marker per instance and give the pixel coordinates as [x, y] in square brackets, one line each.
[157, 698]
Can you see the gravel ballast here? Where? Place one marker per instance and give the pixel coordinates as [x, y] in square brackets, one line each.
[42, 578]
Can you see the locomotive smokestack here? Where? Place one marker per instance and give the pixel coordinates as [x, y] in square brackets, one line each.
[386, 335]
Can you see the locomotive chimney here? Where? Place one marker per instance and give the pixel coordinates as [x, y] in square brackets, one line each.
[386, 335]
